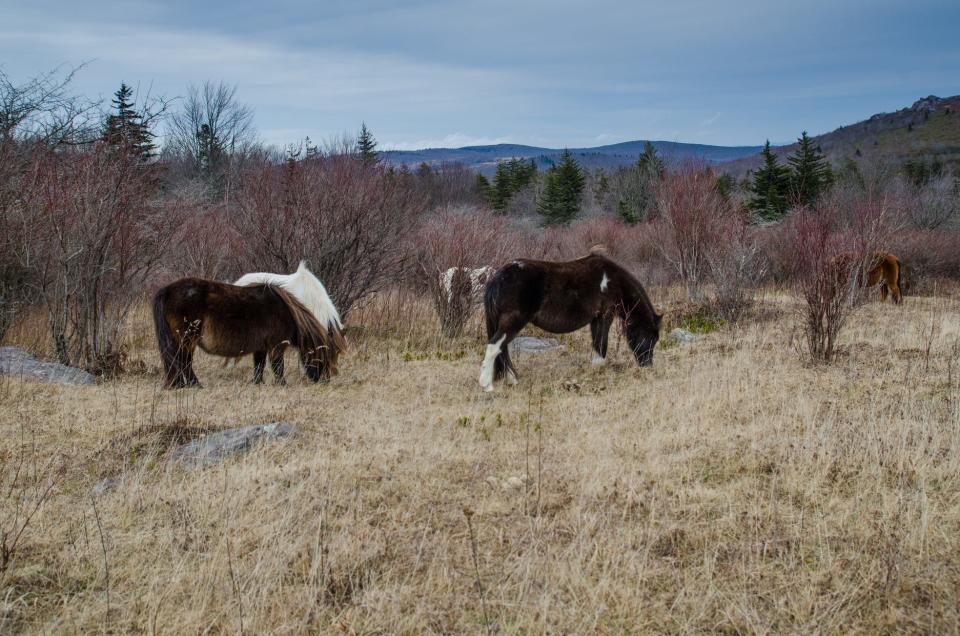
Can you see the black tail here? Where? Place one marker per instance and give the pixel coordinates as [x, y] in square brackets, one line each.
[491, 308]
[169, 346]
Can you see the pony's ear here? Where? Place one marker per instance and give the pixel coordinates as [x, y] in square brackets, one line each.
[302, 267]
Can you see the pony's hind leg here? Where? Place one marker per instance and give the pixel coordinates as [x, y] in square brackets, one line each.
[895, 293]
[276, 363]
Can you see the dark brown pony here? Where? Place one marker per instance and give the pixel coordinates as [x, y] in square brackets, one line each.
[881, 268]
[231, 321]
[563, 297]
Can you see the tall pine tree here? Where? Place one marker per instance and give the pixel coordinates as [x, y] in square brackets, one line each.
[650, 162]
[126, 128]
[367, 147]
[810, 174]
[770, 187]
[563, 187]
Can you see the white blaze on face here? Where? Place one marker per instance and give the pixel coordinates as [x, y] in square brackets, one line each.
[486, 369]
[604, 282]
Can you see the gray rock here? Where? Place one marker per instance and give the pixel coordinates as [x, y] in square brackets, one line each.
[217, 446]
[105, 485]
[530, 344]
[17, 362]
[681, 336]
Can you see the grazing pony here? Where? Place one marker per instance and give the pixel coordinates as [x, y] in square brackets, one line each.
[231, 321]
[477, 281]
[560, 298]
[887, 270]
[881, 268]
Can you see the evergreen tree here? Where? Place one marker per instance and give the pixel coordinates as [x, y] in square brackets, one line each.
[367, 147]
[810, 174]
[502, 188]
[563, 187]
[725, 185]
[601, 186]
[481, 187]
[769, 187]
[211, 150]
[650, 162]
[126, 127]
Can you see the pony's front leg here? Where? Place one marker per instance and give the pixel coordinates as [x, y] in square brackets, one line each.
[259, 362]
[276, 363]
[600, 337]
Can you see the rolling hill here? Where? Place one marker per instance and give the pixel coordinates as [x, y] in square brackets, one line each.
[484, 158]
[929, 128]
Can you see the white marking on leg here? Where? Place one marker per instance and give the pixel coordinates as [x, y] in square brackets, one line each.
[511, 377]
[598, 359]
[604, 282]
[486, 369]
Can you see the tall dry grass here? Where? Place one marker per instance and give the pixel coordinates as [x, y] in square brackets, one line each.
[730, 487]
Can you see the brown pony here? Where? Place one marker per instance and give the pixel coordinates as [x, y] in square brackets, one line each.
[231, 321]
[888, 272]
[881, 268]
[563, 297]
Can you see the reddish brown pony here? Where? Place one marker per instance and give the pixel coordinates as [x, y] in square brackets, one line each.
[231, 321]
[881, 268]
[887, 272]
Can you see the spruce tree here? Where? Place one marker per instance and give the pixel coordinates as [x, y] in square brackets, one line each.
[563, 187]
[367, 147]
[126, 127]
[481, 188]
[650, 162]
[769, 187]
[502, 188]
[810, 174]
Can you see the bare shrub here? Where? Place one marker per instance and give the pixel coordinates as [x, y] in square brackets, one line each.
[345, 219]
[736, 266]
[462, 239]
[824, 284]
[92, 232]
[933, 204]
[832, 246]
[691, 216]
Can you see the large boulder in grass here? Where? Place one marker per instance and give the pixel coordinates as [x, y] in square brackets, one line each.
[215, 447]
[530, 344]
[17, 362]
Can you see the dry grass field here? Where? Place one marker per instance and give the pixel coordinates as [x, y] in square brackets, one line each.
[732, 487]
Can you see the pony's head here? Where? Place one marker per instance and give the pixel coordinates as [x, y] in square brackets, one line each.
[643, 333]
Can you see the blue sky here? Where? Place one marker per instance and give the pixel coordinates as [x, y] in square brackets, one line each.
[429, 73]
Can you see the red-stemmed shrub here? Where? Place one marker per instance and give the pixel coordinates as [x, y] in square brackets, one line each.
[346, 219]
[93, 230]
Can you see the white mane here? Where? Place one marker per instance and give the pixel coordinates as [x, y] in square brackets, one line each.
[303, 286]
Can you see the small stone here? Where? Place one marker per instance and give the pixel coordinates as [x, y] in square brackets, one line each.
[681, 336]
[531, 344]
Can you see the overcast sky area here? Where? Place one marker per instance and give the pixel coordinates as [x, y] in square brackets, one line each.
[426, 73]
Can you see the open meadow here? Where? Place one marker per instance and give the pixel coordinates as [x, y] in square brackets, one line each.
[731, 487]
